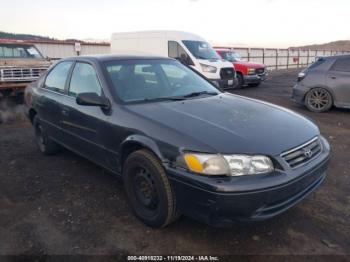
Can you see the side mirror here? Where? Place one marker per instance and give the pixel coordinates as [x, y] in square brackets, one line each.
[93, 99]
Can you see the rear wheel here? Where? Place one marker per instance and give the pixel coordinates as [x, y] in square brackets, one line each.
[148, 189]
[46, 145]
[318, 100]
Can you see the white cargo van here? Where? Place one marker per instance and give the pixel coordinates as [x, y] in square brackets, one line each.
[190, 49]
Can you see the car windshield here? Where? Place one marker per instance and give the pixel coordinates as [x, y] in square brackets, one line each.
[231, 56]
[158, 79]
[201, 50]
[19, 51]
[318, 62]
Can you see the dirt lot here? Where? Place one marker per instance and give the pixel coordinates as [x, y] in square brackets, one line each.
[64, 204]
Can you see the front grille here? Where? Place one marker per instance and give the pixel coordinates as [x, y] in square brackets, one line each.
[302, 154]
[227, 73]
[260, 71]
[21, 73]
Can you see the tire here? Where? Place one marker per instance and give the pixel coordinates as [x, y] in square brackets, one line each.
[46, 145]
[148, 189]
[240, 81]
[318, 100]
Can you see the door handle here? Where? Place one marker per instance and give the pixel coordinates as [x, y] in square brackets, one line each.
[333, 77]
[65, 112]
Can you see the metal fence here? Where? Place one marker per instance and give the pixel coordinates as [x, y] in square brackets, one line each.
[282, 58]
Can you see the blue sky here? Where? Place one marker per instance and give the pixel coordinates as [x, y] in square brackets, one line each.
[266, 23]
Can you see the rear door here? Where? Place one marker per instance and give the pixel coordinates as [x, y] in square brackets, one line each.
[50, 95]
[338, 79]
[83, 124]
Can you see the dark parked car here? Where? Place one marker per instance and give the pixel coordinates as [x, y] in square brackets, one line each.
[324, 84]
[180, 145]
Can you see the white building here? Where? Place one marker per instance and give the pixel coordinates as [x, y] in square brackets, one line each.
[61, 49]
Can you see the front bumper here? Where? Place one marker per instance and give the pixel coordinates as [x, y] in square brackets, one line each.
[299, 92]
[225, 83]
[254, 79]
[225, 201]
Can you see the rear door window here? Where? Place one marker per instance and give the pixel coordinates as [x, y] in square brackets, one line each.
[342, 65]
[57, 77]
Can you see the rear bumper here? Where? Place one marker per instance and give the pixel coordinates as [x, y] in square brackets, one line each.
[219, 208]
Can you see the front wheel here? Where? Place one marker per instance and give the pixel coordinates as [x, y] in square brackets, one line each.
[148, 189]
[318, 100]
[240, 81]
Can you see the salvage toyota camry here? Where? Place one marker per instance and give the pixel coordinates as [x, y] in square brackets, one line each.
[181, 145]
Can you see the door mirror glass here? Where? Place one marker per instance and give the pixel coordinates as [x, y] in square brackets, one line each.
[92, 99]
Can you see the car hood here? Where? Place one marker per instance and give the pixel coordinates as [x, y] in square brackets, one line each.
[249, 64]
[218, 63]
[228, 123]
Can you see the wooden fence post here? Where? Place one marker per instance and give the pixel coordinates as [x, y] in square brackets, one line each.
[276, 59]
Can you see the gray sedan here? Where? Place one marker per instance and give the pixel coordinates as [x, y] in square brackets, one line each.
[324, 84]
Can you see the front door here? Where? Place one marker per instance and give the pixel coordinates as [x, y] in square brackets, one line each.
[83, 124]
[338, 79]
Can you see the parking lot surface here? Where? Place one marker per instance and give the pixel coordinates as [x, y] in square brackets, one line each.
[64, 204]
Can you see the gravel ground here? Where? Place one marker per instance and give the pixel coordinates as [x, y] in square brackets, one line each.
[64, 204]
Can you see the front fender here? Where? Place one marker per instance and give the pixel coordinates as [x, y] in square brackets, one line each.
[143, 141]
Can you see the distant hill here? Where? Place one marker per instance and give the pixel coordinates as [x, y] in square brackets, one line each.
[29, 37]
[343, 45]
[24, 36]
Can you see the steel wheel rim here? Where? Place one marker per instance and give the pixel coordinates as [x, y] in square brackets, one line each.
[318, 99]
[145, 189]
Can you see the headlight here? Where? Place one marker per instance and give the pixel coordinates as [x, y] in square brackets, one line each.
[251, 71]
[249, 165]
[208, 68]
[230, 165]
[301, 76]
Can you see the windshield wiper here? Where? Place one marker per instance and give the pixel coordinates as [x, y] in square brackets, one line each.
[170, 98]
[193, 94]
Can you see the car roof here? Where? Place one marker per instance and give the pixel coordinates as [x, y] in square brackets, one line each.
[106, 58]
[335, 56]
